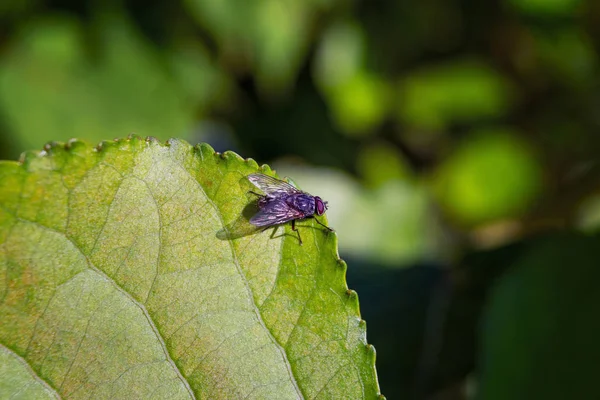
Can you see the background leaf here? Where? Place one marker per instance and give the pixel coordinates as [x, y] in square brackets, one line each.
[533, 344]
[116, 285]
[50, 89]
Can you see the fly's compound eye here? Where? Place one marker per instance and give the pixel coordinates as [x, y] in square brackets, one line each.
[321, 207]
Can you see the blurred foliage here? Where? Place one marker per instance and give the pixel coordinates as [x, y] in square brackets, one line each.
[435, 129]
[51, 89]
[465, 179]
[358, 98]
[461, 92]
[269, 36]
[541, 326]
[379, 163]
[546, 7]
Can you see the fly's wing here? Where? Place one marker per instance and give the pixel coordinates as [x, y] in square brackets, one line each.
[271, 186]
[275, 212]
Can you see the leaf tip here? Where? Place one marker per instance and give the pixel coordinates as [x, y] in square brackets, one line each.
[252, 163]
[28, 156]
[334, 244]
[135, 141]
[231, 156]
[75, 144]
[371, 349]
[132, 137]
[151, 139]
[353, 299]
[57, 148]
[266, 169]
[204, 149]
[48, 147]
[104, 145]
[372, 355]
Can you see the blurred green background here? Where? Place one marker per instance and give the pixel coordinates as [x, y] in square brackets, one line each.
[457, 143]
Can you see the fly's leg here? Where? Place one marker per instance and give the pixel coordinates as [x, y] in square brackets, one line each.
[275, 227]
[297, 231]
[323, 225]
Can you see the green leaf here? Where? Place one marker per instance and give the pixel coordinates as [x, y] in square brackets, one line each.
[359, 103]
[492, 175]
[541, 326]
[268, 37]
[51, 88]
[548, 8]
[18, 381]
[115, 283]
[458, 92]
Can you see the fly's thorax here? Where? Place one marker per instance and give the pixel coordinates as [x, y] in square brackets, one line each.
[302, 202]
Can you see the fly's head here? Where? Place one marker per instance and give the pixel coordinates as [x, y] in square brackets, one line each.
[320, 206]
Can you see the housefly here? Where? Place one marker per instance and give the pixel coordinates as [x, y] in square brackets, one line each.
[282, 202]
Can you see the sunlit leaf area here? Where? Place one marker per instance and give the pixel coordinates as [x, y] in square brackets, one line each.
[456, 142]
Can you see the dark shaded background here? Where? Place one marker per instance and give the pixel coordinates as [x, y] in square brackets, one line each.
[456, 141]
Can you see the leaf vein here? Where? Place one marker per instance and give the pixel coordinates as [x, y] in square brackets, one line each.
[101, 273]
[34, 374]
[249, 291]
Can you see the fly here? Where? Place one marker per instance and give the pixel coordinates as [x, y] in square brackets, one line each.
[283, 202]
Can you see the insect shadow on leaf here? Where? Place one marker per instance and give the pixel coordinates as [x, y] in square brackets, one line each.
[280, 203]
[241, 226]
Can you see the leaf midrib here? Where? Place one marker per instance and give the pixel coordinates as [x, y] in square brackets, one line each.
[140, 305]
[32, 372]
[249, 290]
[103, 275]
